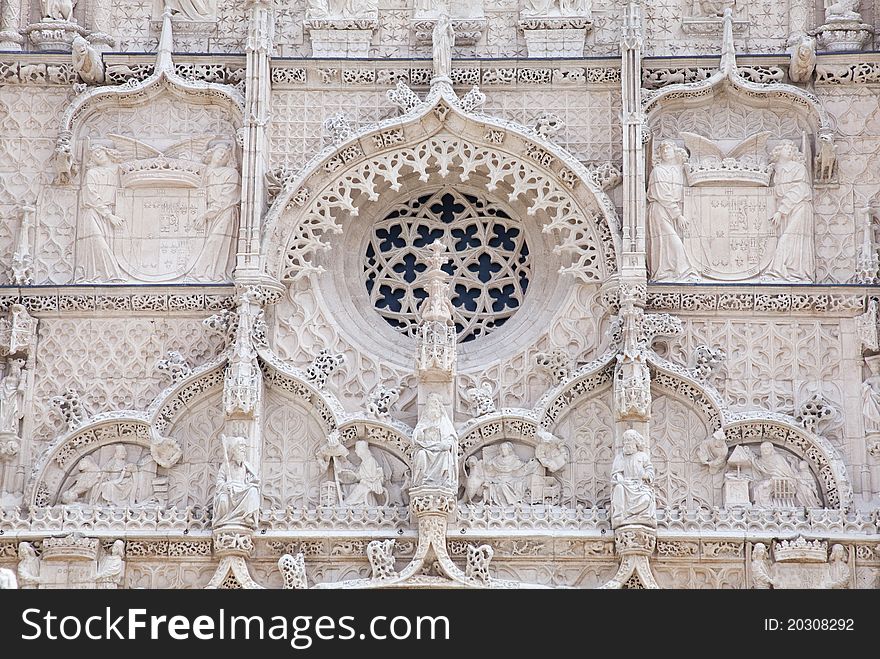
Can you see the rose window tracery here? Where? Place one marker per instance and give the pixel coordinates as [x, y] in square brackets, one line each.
[489, 263]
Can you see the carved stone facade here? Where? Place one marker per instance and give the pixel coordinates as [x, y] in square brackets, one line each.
[298, 308]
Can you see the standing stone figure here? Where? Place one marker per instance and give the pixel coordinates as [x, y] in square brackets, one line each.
[871, 396]
[760, 565]
[443, 38]
[667, 258]
[794, 259]
[632, 496]
[57, 10]
[12, 390]
[435, 439]
[237, 499]
[223, 191]
[99, 219]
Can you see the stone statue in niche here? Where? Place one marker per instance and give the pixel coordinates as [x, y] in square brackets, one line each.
[794, 257]
[111, 567]
[163, 214]
[12, 392]
[442, 39]
[194, 10]
[666, 221]
[223, 191]
[436, 440]
[871, 395]
[633, 500]
[57, 10]
[96, 260]
[87, 61]
[367, 479]
[237, 498]
[28, 566]
[507, 475]
[119, 482]
[760, 566]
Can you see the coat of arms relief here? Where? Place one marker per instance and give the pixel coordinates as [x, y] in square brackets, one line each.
[159, 212]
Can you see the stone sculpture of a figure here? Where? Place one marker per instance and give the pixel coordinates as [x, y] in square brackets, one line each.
[553, 7]
[871, 396]
[435, 440]
[666, 222]
[28, 566]
[806, 492]
[117, 484]
[87, 61]
[507, 476]
[101, 183]
[443, 38]
[237, 498]
[83, 489]
[223, 191]
[760, 565]
[368, 479]
[112, 566]
[632, 475]
[12, 391]
[794, 259]
[194, 10]
[770, 464]
[57, 10]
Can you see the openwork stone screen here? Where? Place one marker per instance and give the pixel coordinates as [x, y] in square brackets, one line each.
[489, 261]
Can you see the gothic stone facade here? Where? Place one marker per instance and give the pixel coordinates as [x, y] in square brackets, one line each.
[279, 311]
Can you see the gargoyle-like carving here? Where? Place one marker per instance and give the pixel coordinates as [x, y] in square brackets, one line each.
[323, 366]
[482, 399]
[174, 365]
[381, 556]
[478, 559]
[293, 572]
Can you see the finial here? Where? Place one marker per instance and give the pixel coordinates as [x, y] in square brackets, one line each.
[166, 43]
[728, 48]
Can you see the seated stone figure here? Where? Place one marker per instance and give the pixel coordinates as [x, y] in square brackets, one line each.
[237, 499]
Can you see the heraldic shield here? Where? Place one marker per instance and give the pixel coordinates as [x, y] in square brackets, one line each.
[729, 233]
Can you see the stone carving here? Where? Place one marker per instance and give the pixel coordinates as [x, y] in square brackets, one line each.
[707, 361]
[507, 478]
[28, 566]
[57, 10]
[632, 497]
[547, 125]
[556, 363]
[666, 221]
[174, 365]
[815, 411]
[382, 400]
[367, 479]
[111, 567]
[17, 331]
[478, 559]
[803, 59]
[554, 8]
[760, 565]
[381, 556]
[776, 480]
[12, 396]
[194, 10]
[99, 219]
[442, 40]
[71, 408]
[550, 451]
[22, 261]
[826, 159]
[338, 127]
[482, 399]
[475, 486]
[339, 9]
[87, 62]
[871, 395]
[435, 441]
[165, 451]
[237, 497]
[800, 563]
[196, 185]
[293, 571]
[323, 366]
[118, 482]
[712, 452]
[7, 579]
[794, 257]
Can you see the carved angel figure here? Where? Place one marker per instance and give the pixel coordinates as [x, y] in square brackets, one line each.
[96, 261]
[223, 189]
[57, 10]
[632, 475]
[871, 396]
[87, 61]
[554, 7]
[666, 223]
[794, 259]
[237, 499]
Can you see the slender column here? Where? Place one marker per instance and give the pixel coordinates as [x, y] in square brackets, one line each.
[10, 19]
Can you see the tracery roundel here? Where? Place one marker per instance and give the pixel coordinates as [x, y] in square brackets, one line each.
[489, 261]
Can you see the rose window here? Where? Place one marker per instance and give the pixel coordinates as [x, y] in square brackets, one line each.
[488, 261]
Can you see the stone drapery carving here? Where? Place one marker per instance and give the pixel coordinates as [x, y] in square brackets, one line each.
[12, 397]
[435, 440]
[871, 395]
[99, 218]
[237, 497]
[632, 497]
[776, 481]
[366, 480]
[794, 257]
[442, 40]
[118, 481]
[666, 222]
